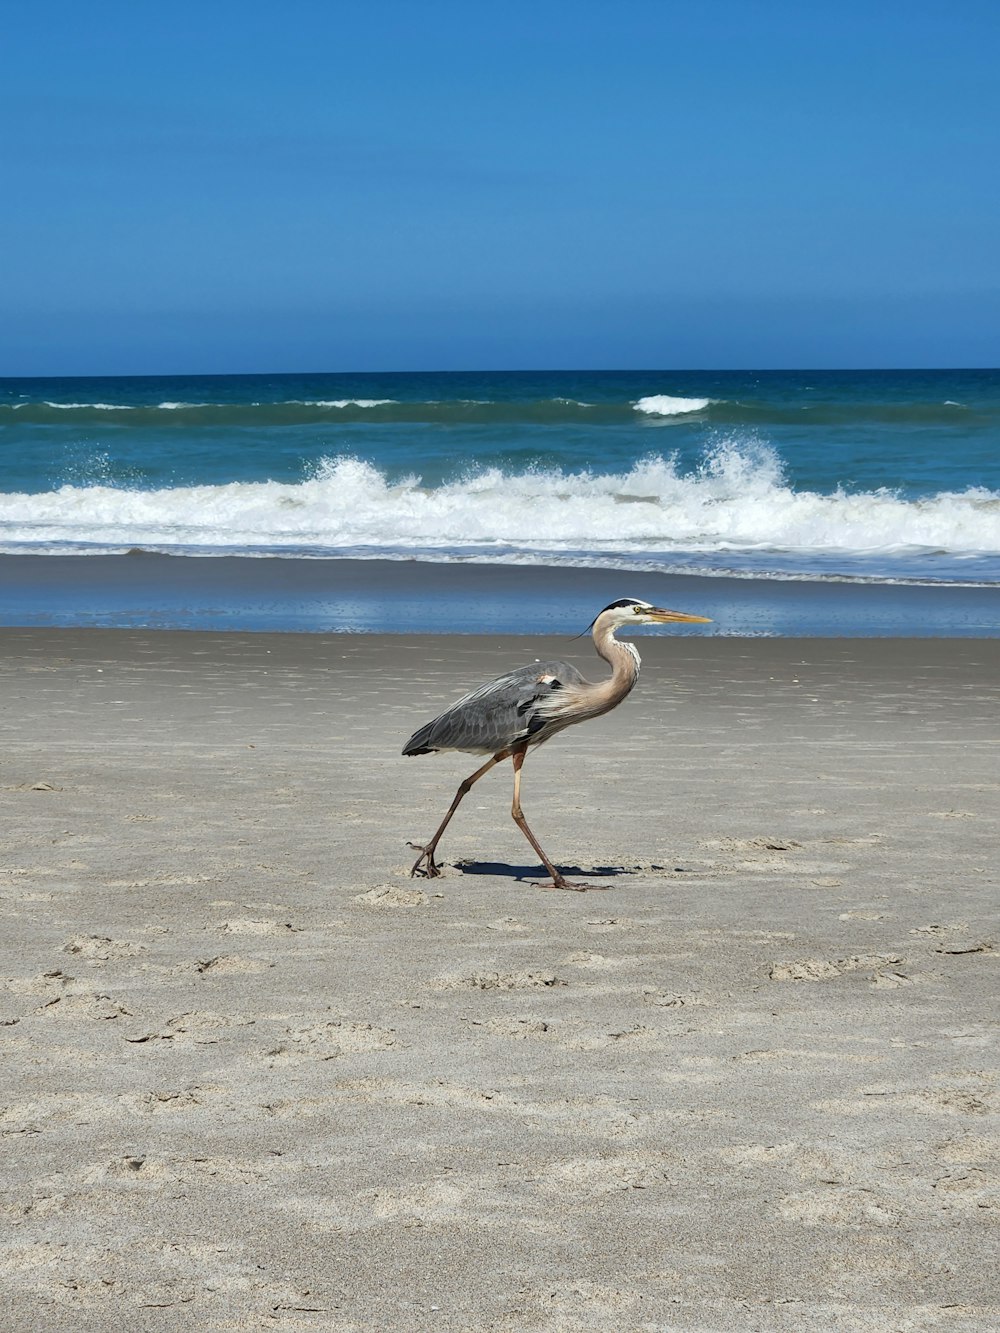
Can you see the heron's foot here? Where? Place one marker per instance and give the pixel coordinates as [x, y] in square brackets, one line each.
[558, 882]
[425, 863]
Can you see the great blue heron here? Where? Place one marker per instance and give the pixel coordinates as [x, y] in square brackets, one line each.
[523, 708]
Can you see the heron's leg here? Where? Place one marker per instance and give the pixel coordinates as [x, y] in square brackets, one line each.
[558, 879]
[431, 869]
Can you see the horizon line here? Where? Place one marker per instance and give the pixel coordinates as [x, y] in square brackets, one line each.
[498, 370]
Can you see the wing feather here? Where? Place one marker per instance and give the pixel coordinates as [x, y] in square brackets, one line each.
[495, 715]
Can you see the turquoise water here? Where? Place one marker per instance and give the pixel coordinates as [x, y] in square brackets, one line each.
[886, 476]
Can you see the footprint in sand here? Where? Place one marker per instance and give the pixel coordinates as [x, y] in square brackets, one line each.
[330, 1041]
[232, 964]
[101, 948]
[67, 998]
[665, 999]
[822, 969]
[158, 1102]
[498, 981]
[955, 947]
[195, 1028]
[636, 1037]
[49, 983]
[518, 1028]
[255, 926]
[83, 1006]
[391, 895]
[766, 843]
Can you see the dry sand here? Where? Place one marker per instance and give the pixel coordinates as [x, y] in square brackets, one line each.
[256, 1077]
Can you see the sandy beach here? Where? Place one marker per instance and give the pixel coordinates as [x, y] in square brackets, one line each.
[256, 1077]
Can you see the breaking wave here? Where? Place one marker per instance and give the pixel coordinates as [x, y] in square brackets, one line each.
[737, 500]
[665, 405]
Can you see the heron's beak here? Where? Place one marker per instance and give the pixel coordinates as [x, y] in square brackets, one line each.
[658, 616]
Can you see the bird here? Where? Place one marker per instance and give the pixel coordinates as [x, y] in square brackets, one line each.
[524, 708]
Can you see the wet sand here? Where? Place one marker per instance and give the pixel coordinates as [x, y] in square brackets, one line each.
[147, 590]
[256, 1077]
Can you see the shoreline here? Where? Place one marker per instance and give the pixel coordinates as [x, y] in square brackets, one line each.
[369, 596]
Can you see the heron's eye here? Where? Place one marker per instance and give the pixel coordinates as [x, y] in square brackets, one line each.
[638, 610]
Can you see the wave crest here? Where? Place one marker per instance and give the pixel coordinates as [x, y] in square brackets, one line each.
[736, 500]
[665, 405]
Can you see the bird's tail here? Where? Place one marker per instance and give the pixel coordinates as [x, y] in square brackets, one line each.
[417, 744]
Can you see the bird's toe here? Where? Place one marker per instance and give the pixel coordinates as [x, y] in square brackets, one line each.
[424, 864]
[561, 883]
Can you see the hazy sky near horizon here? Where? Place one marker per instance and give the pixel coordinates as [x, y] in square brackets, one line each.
[224, 187]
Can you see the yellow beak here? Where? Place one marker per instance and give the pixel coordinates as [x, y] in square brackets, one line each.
[661, 617]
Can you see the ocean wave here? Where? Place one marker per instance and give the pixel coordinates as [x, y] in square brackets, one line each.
[74, 407]
[339, 402]
[665, 405]
[656, 410]
[736, 501]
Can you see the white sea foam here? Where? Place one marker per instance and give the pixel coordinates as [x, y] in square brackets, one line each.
[342, 402]
[664, 405]
[100, 407]
[106, 407]
[736, 501]
[174, 407]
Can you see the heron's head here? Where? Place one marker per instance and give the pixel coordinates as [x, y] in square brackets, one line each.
[633, 611]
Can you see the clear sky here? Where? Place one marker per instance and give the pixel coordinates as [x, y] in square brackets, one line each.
[230, 185]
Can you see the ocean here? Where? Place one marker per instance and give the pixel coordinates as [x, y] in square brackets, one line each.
[868, 477]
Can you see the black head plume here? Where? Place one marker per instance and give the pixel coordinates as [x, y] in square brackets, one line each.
[620, 605]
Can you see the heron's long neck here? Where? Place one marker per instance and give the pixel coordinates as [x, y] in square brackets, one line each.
[624, 662]
[584, 699]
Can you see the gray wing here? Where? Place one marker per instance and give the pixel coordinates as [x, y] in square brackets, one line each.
[497, 714]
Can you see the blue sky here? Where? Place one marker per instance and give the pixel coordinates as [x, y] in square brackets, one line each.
[216, 186]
